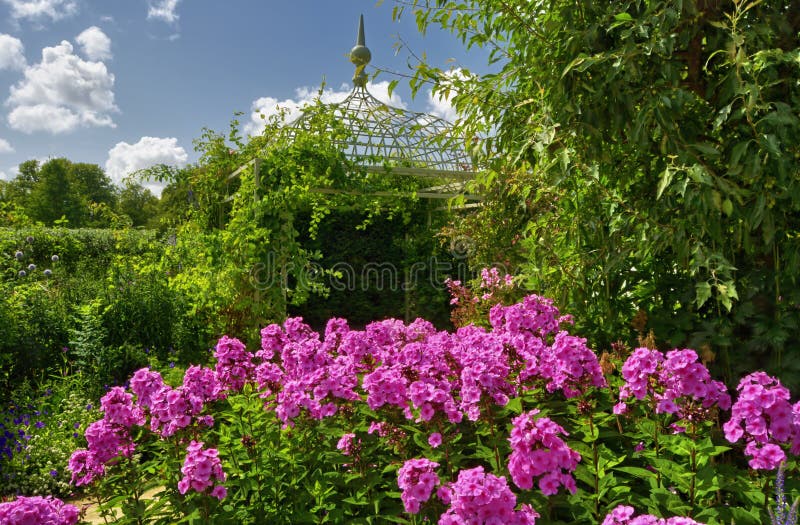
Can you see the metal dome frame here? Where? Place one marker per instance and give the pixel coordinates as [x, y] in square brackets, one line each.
[388, 140]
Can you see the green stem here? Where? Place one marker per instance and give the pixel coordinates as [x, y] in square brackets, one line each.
[596, 462]
[494, 436]
[656, 431]
[100, 508]
[693, 456]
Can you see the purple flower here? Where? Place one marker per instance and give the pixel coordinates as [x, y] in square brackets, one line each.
[537, 451]
[36, 509]
[417, 479]
[201, 469]
[623, 515]
[483, 496]
[766, 419]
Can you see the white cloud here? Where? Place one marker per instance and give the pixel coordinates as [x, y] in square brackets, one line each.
[439, 104]
[5, 147]
[96, 45]
[268, 106]
[38, 9]
[163, 10]
[11, 53]
[124, 158]
[62, 92]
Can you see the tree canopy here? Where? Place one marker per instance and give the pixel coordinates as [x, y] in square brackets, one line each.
[649, 149]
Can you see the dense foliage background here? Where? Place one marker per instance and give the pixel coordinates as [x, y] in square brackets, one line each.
[643, 163]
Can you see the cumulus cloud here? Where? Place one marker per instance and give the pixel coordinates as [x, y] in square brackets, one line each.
[5, 147]
[61, 93]
[440, 103]
[304, 96]
[124, 158]
[95, 44]
[163, 10]
[40, 9]
[12, 54]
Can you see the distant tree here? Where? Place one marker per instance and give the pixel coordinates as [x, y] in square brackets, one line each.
[56, 194]
[94, 184]
[61, 188]
[138, 203]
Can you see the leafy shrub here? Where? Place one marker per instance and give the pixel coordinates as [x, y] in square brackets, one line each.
[37, 432]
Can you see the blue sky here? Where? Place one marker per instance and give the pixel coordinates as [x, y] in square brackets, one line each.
[128, 83]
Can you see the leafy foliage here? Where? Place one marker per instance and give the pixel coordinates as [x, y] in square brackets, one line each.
[650, 151]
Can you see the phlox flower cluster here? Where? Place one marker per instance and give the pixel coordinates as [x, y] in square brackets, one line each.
[417, 479]
[623, 515]
[535, 314]
[348, 444]
[107, 439]
[490, 283]
[480, 498]
[567, 364]
[234, 363]
[678, 384]
[201, 470]
[37, 510]
[413, 368]
[491, 279]
[763, 416]
[172, 409]
[118, 408]
[312, 375]
[537, 451]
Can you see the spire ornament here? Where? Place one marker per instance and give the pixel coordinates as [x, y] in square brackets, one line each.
[360, 55]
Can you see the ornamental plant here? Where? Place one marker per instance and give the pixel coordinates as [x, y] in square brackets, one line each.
[510, 423]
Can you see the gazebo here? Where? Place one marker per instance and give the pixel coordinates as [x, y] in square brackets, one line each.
[388, 140]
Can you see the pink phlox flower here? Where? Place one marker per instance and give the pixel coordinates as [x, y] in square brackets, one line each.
[763, 416]
[202, 386]
[677, 382]
[623, 515]
[537, 451]
[534, 314]
[107, 441]
[486, 497]
[202, 470]
[234, 365]
[144, 384]
[348, 444]
[85, 467]
[37, 510]
[272, 340]
[119, 409]
[417, 479]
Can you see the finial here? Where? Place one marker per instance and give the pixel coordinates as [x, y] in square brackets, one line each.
[360, 56]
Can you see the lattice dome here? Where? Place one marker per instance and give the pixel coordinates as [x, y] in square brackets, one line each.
[381, 135]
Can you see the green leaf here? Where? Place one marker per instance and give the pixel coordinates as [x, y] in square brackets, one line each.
[702, 293]
[666, 178]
